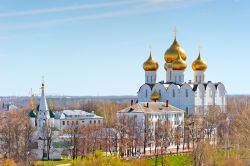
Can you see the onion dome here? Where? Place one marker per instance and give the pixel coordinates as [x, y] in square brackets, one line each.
[172, 53]
[179, 64]
[51, 114]
[155, 96]
[150, 64]
[199, 64]
[32, 114]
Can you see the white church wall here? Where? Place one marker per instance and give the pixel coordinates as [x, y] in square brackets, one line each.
[199, 99]
[173, 95]
[178, 76]
[210, 94]
[150, 77]
[33, 121]
[144, 93]
[220, 99]
[187, 97]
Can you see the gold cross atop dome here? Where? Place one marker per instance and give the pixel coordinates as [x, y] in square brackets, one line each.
[175, 31]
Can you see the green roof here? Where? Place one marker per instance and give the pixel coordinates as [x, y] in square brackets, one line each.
[60, 144]
[51, 114]
[32, 114]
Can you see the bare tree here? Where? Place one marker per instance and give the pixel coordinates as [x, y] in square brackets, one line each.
[16, 134]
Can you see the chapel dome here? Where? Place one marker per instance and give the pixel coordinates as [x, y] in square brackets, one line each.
[172, 52]
[150, 64]
[179, 64]
[199, 64]
[155, 96]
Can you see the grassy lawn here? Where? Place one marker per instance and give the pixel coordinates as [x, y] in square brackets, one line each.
[173, 160]
[50, 163]
[180, 160]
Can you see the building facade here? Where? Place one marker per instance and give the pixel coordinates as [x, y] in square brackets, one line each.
[67, 118]
[152, 119]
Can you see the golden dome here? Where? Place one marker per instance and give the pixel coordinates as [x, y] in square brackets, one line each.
[199, 64]
[179, 63]
[155, 96]
[172, 53]
[150, 64]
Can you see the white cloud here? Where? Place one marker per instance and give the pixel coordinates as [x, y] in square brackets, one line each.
[68, 8]
[138, 7]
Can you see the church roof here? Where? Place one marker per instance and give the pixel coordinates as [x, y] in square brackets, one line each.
[43, 106]
[193, 86]
[68, 114]
[150, 107]
[32, 114]
[51, 114]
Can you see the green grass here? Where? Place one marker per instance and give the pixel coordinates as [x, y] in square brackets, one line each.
[180, 160]
[50, 163]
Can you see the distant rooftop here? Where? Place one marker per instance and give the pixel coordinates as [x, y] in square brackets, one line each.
[149, 107]
[67, 114]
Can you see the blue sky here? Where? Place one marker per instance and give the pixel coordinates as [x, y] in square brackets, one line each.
[88, 47]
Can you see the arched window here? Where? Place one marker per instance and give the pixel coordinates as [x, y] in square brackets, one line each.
[186, 92]
[160, 92]
[146, 94]
[173, 93]
[151, 79]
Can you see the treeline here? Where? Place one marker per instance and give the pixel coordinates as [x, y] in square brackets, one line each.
[16, 137]
[204, 136]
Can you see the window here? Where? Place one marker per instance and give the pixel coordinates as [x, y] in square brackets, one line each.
[186, 92]
[187, 110]
[63, 123]
[146, 94]
[94, 122]
[147, 79]
[151, 79]
[170, 75]
[175, 78]
[67, 122]
[179, 78]
[90, 122]
[173, 93]
[160, 92]
[82, 121]
[77, 123]
[99, 122]
[72, 122]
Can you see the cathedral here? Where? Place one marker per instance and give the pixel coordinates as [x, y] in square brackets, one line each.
[194, 97]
